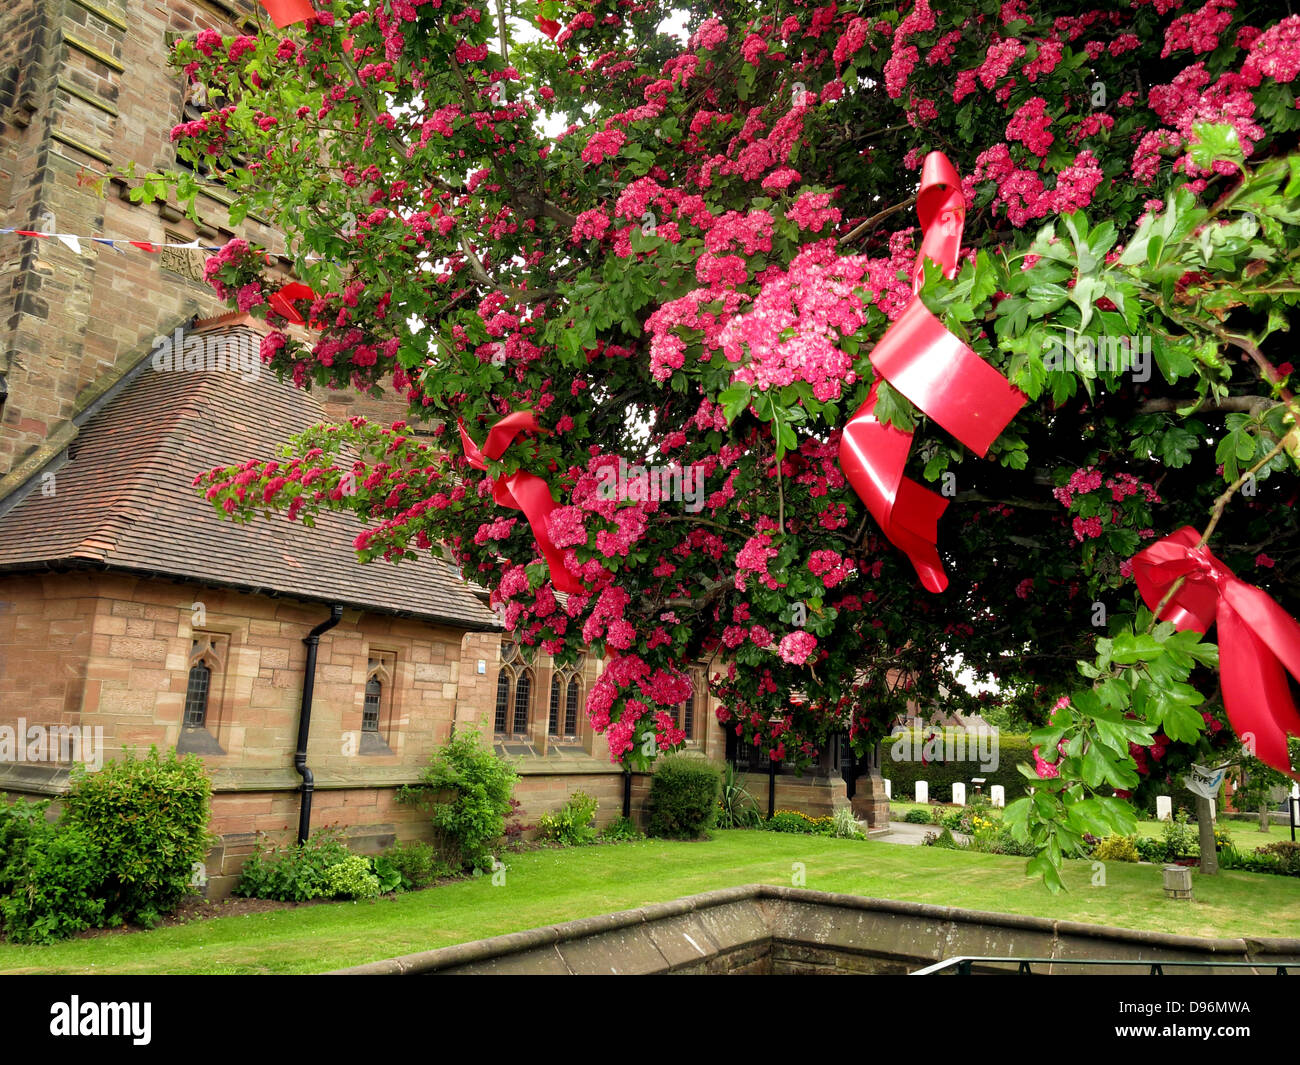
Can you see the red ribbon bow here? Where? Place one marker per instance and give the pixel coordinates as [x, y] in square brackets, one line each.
[940, 374]
[286, 12]
[522, 490]
[1257, 638]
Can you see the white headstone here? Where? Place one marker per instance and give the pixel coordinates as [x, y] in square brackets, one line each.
[959, 794]
[922, 791]
[998, 795]
[889, 788]
[1164, 808]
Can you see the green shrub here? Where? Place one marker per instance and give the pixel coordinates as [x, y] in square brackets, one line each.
[18, 822]
[1116, 849]
[570, 825]
[621, 830]
[150, 819]
[990, 837]
[844, 825]
[790, 821]
[418, 864]
[1284, 854]
[798, 821]
[1151, 850]
[352, 878]
[388, 875]
[1181, 840]
[480, 784]
[736, 806]
[53, 876]
[942, 839]
[1013, 748]
[293, 873]
[683, 797]
[916, 816]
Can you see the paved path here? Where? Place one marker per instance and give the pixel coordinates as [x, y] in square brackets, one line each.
[908, 834]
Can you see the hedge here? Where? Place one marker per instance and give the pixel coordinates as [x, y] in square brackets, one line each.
[1012, 749]
[683, 797]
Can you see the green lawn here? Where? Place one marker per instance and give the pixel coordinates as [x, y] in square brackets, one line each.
[1245, 834]
[549, 886]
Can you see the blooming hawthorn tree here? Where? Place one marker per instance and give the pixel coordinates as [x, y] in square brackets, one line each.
[691, 276]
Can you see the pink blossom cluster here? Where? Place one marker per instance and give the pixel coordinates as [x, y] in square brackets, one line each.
[1022, 191]
[812, 211]
[830, 566]
[602, 145]
[1199, 30]
[812, 305]
[796, 647]
[1029, 126]
[1275, 53]
[753, 558]
[692, 311]
[1081, 482]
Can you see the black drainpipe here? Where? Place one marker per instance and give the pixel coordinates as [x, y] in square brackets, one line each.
[312, 640]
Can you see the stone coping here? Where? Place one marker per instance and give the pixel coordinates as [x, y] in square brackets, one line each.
[693, 933]
[52, 779]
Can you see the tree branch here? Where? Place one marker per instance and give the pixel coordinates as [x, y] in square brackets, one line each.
[863, 226]
[1228, 404]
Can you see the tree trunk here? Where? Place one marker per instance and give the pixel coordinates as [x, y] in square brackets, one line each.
[1263, 817]
[1209, 856]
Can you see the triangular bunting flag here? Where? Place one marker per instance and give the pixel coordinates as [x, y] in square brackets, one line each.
[68, 241]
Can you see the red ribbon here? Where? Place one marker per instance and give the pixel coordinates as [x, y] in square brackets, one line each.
[522, 490]
[1257, 638]
[286, 12]
[282, 301]
[940, 374]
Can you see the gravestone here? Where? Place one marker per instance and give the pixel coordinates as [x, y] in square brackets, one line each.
[998, 795]
[959, 794]
[1164, 808]
[922, 791]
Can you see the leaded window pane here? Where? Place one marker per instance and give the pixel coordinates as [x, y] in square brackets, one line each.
[503, 701]
[196, 696]
[523, 689]
[571, 708]
[553, 726]
[370, 711]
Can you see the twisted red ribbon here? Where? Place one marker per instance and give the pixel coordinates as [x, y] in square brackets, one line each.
[940, 374]
[522, 490]
[1257, 638]
[282, 301]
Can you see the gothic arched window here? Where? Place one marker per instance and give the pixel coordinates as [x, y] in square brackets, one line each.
[514, 702]
[566, 696]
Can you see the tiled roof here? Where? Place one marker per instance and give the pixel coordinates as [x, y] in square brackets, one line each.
[124, 501]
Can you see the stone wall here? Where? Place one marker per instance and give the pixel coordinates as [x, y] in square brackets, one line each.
[766, 929]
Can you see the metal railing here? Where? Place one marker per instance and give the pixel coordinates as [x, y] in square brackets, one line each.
[963, 965]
